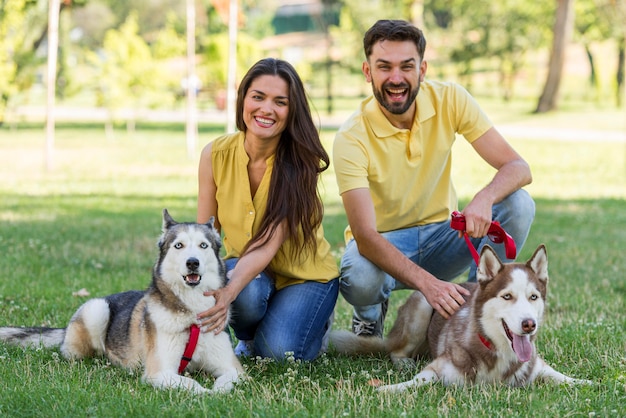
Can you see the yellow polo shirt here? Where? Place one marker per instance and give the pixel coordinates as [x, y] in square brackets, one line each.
[408, 172]
[240, 216]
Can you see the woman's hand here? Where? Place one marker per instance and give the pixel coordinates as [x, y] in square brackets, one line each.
[216, 318]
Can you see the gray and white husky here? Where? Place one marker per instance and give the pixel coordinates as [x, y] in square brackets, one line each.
[491, 339]
[151, 328]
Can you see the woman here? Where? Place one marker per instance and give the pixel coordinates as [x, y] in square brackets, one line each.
[261, 185]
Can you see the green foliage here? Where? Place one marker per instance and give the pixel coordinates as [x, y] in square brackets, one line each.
[496, 33]
[21, 26]
[128, 76]
[93, 20]
[214, 69]
[169, 43]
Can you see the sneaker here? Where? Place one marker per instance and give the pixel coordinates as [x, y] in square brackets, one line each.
[245, 348]
[371, 329]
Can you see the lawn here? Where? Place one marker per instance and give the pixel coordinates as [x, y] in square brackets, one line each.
[92, 223]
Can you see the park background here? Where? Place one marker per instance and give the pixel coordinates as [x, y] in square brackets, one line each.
[81, 214]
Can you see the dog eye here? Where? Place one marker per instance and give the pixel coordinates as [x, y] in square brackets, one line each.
[178, 245]
[507, 296]
[204, 245]
[534, 297]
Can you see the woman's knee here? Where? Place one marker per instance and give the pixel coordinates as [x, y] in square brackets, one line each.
[251, 304]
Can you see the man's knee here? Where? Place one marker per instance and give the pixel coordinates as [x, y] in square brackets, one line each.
[361, 280]
[521, 205]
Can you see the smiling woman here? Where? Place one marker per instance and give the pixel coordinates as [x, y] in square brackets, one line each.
[260, 184]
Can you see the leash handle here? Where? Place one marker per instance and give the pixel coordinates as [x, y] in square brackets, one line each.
[496, 234]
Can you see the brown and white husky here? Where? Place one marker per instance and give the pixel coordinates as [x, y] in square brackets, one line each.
[491, 339]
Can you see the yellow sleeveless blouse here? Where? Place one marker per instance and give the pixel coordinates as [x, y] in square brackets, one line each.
[240, 216]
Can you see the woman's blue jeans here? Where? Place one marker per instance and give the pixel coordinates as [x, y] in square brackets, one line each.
[290, 320]
[436, 248]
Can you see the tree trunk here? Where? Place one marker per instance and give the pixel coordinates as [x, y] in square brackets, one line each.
[619, 75]
[563, 27]
[593, 76]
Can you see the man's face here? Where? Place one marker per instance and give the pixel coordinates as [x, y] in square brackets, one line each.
[395, 70]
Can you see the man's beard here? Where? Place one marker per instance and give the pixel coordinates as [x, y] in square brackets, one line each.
[396, 108]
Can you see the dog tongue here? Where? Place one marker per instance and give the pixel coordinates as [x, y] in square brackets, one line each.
[522, 347]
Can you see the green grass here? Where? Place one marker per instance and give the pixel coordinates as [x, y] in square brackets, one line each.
[92, 222]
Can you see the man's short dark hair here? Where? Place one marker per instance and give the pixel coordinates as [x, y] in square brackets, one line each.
[393, 30]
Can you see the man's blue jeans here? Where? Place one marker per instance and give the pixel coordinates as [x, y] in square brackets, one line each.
[293, 319]
[436, 248]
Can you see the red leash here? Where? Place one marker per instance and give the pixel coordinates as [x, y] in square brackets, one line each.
[496, 234]
[194, 333]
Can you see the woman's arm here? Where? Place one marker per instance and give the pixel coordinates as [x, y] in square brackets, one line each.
[250, 264]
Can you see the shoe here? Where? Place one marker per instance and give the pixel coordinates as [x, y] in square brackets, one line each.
[371, 329]
[245, 348]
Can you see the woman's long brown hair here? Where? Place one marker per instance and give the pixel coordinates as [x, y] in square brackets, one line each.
[300, 158]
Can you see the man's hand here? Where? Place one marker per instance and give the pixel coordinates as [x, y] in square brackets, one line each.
[446, 298]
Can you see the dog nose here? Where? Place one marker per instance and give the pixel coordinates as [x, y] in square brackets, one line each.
[528, 325]
[193, 263]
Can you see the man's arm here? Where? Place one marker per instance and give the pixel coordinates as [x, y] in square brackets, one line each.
[512, 174]
[445, 297]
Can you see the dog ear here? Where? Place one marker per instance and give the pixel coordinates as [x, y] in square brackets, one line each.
[216, 234]
[539, 263]
[168, 221]
[488, 266]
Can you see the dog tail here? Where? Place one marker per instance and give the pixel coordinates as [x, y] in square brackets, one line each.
[32, 336]
[345, 342]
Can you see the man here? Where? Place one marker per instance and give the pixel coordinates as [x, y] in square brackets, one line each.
[392, 160]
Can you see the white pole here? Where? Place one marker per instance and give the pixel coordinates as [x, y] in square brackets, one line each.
[192, 118]
[54, 7]
[231, 91]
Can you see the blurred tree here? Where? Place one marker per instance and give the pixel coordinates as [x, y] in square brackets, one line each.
[168, 42]
[615, 12]
[598, 21]
[486, 33]
[589, 28]
[23, 27]
[563, 26]
[356, 17]
[213, 70]
[127, 72]
[151, 15]
[92, 21]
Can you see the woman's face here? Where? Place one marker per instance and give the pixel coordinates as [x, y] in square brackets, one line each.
[266, 107]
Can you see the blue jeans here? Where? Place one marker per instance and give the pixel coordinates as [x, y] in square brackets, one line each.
[293, 319]
[434, 247]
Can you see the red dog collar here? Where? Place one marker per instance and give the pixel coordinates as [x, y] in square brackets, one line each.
[496, 234]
